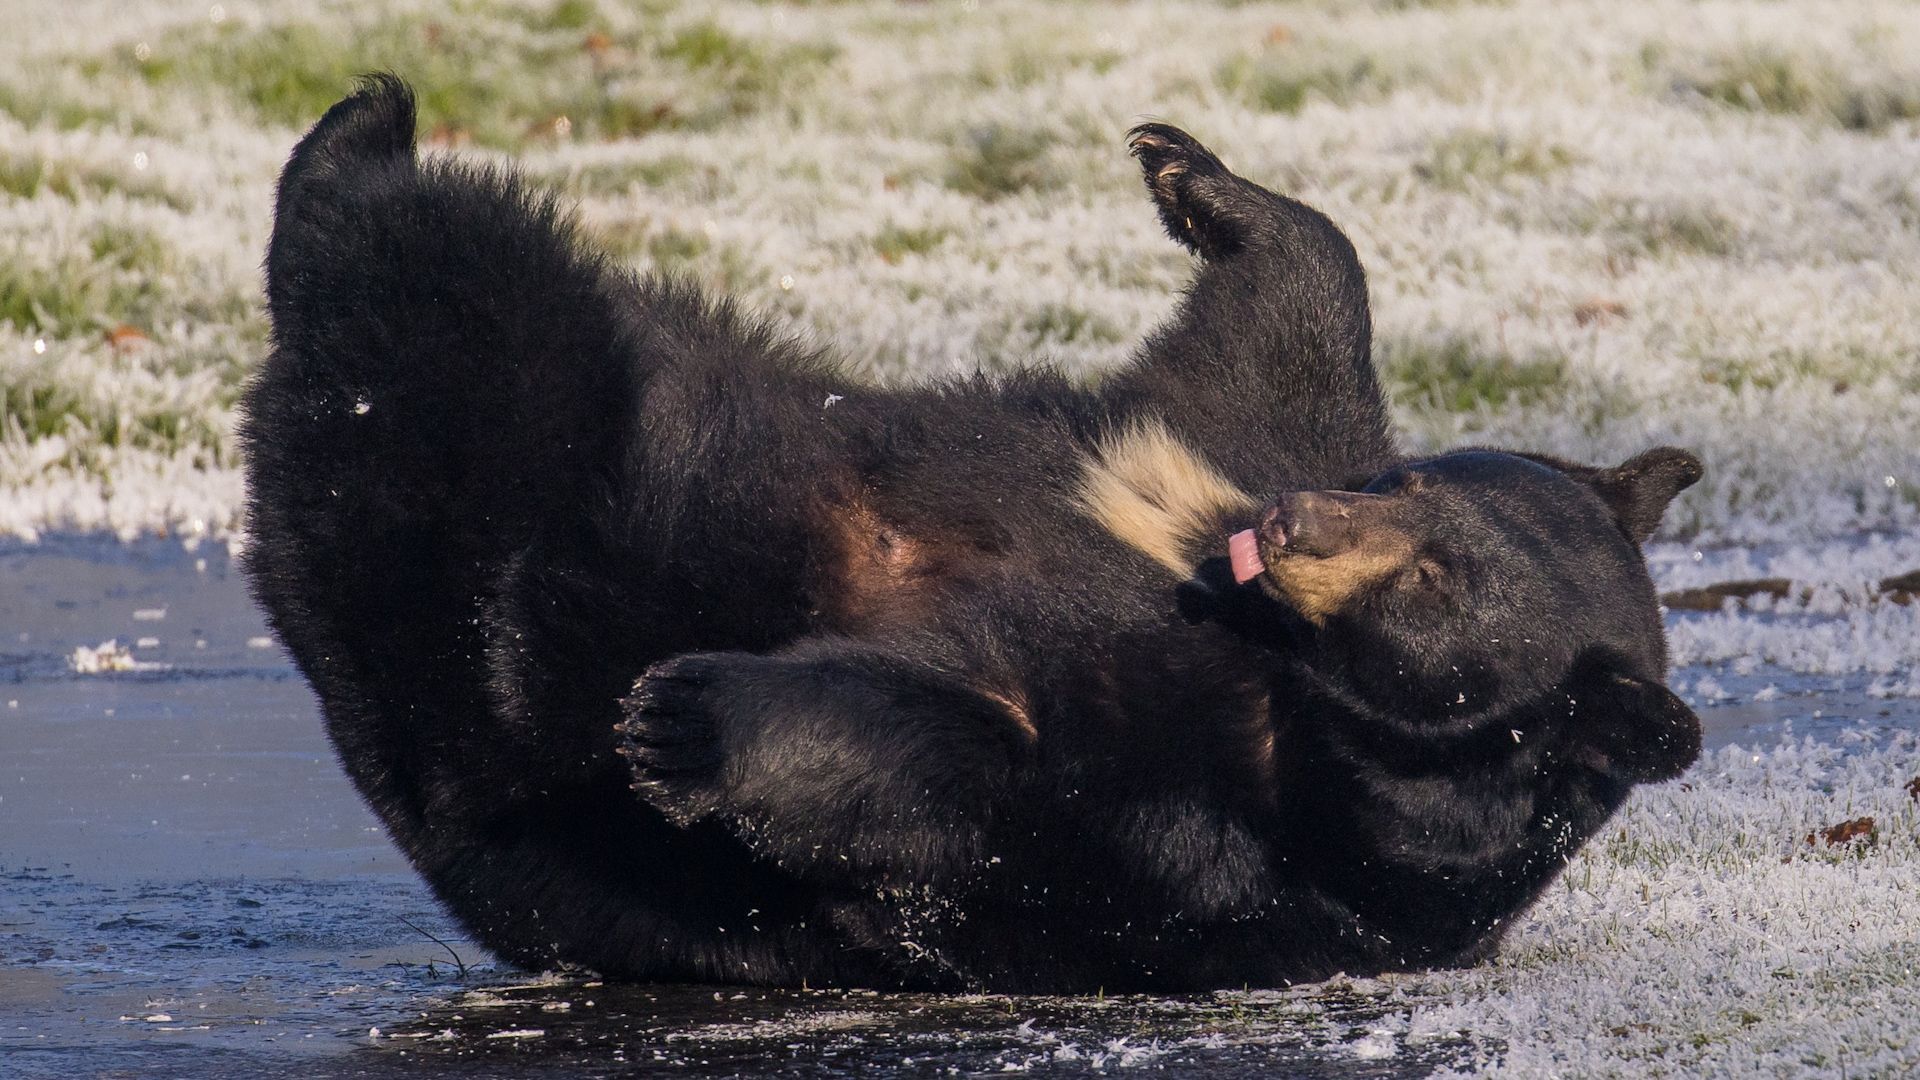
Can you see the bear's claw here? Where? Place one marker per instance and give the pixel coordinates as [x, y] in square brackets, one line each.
[671, 739]
[1204, 206]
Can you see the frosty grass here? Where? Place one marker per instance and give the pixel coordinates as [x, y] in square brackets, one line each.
[1589, 228]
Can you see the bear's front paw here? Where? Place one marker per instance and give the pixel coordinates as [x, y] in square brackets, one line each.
[671, 738]
[1203, 205]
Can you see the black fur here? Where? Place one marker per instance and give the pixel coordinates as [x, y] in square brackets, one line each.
[893, 710]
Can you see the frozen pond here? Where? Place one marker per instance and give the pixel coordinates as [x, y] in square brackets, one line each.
[189, 886]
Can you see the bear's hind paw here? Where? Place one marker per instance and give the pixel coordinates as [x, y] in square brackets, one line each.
[1203, 206]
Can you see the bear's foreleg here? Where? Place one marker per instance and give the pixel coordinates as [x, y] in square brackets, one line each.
[838, 763]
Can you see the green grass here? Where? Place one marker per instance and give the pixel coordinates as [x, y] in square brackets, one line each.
[32, 97]
[1031, 65]
[1656, 229]
[717, 267]
[615, 177]
[116, 273]
[42, 405]
[130, 248]
[501, 78]
[1285, 81]
[1696, 230]
[707, 46]
[1762, 80]
[896, 242]
[746, 75]
[672, 247]
[289, 74]
[1462, 159]
[1841, 371]
[1457, 376]
[568, 15]
[1771, 80]
[72, 296]
[973, 170]
[1064, 324]
[27, 176]
[997, 160]
[1291, 70]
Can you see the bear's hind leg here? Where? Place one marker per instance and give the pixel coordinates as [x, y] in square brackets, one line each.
[1267, 364]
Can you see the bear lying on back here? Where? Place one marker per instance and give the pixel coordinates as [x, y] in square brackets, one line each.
[943, 686]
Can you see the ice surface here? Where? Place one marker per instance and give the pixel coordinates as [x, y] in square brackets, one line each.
[1700, 934]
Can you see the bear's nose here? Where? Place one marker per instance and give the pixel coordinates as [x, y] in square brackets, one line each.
[1273, 523]
[1317, 522]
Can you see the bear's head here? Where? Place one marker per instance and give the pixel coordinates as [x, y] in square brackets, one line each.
[1466, 586]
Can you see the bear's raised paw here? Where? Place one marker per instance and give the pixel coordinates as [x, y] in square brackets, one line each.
[1205, 207]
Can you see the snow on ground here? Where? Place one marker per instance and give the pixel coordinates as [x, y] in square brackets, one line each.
[1701, 934]
[1589, 227]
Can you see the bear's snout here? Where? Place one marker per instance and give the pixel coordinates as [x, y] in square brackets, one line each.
[1322, 549]
[1319, 523]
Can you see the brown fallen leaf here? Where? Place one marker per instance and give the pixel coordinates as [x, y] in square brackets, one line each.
[126, 337]
[603, 52]
[1861, 828]
[1624, 1030]
[1899, 589]
[1592, 311]
[1711, 597]
[1913, 789]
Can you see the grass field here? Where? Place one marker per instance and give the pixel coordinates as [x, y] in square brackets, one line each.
[1589, 228]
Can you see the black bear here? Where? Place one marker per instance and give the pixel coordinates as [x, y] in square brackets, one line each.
[664, 648]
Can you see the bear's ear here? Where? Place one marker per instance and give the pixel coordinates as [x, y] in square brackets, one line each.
[1639, 489]
[1642, 728]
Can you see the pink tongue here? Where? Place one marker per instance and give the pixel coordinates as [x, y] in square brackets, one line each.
[1244, 549]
